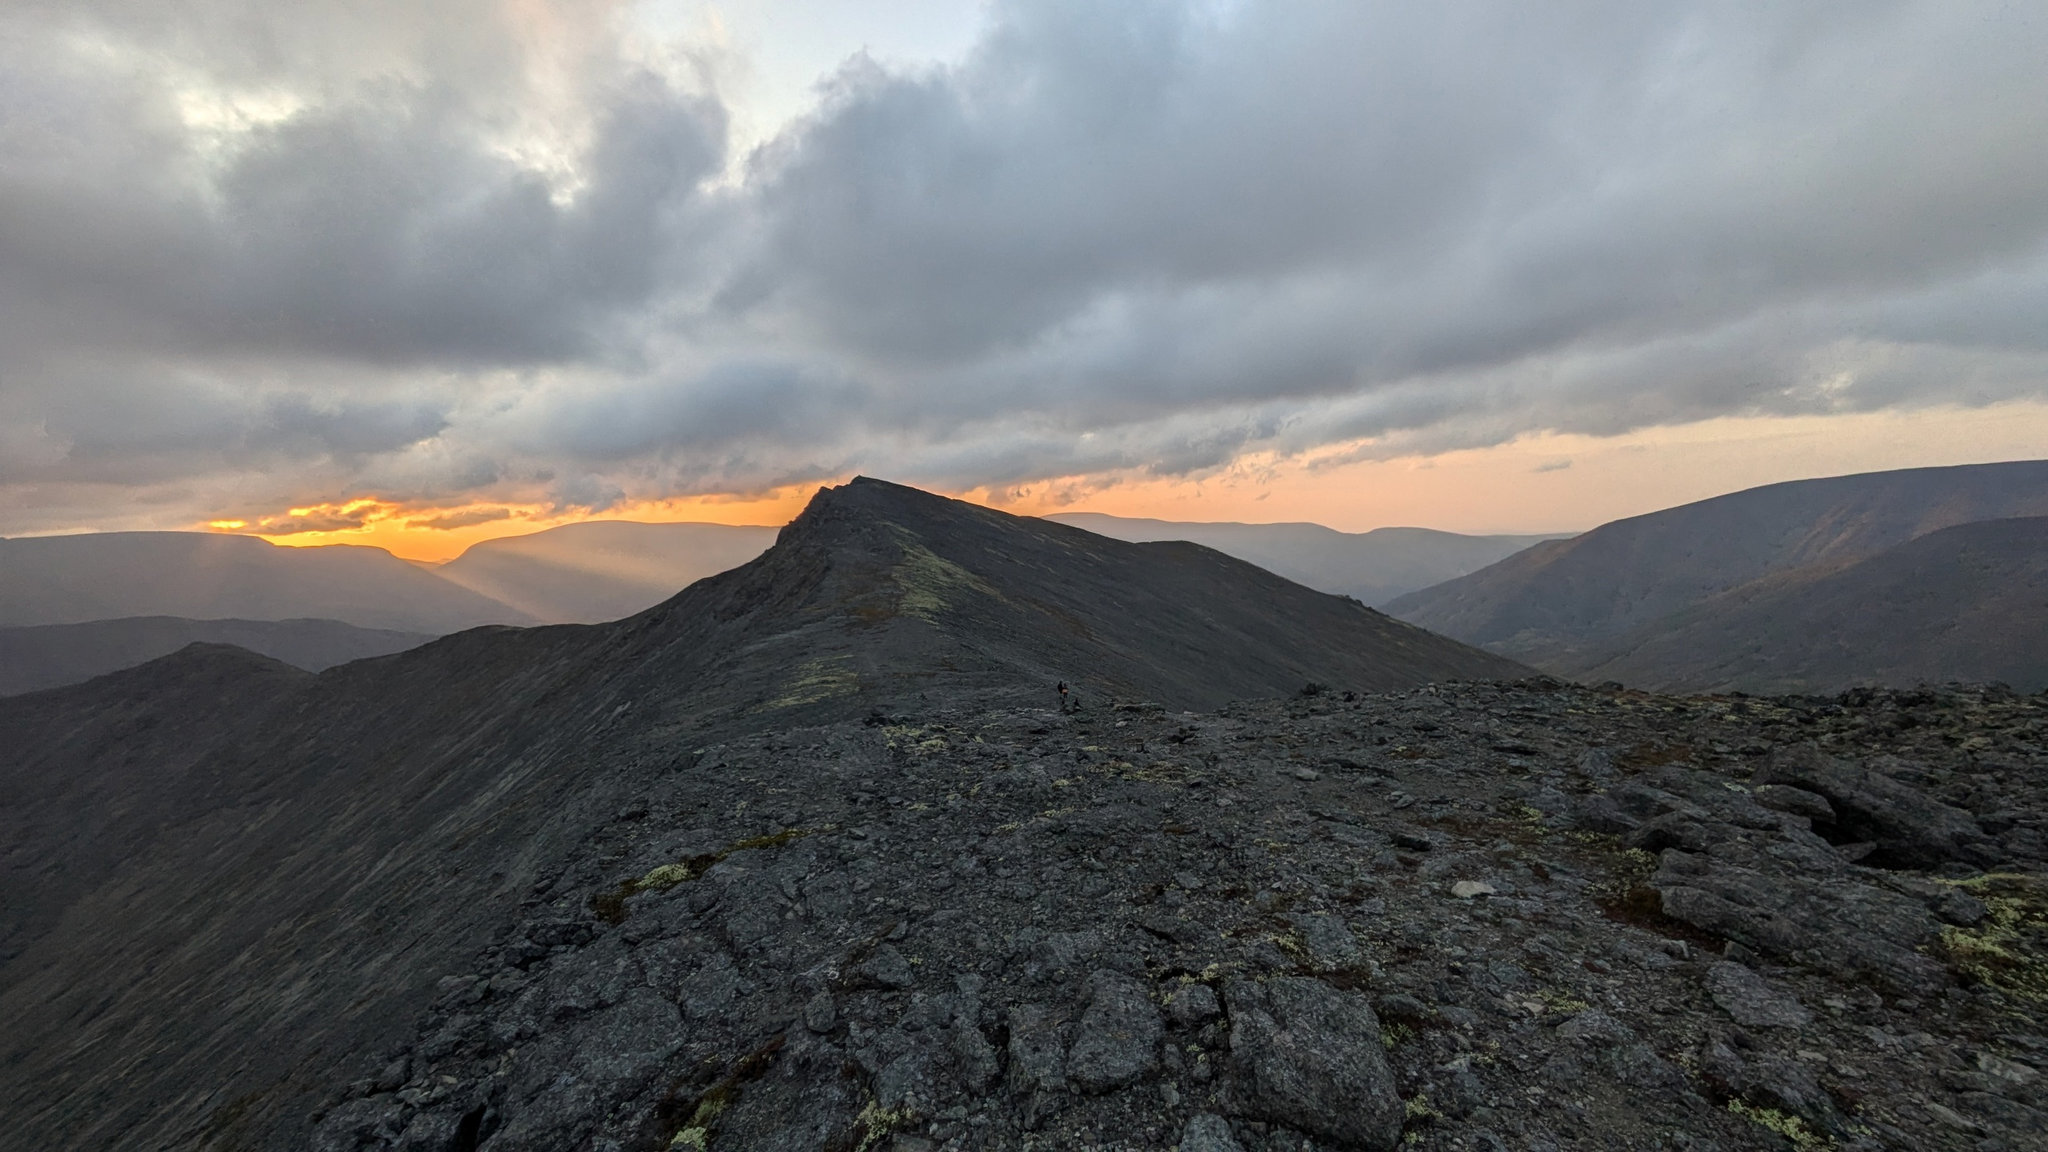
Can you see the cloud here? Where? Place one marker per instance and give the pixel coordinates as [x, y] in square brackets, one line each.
[466, 519]
[474, 252]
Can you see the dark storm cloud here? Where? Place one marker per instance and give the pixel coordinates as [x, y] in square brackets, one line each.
[459, 247]
[378, 231]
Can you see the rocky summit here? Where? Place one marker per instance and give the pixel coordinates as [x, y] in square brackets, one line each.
[814, 856]
[1470, 916]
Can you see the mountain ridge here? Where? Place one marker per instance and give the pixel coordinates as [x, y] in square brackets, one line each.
[1555, 598]
[38, 656]
[1964, 603]
[388, 814]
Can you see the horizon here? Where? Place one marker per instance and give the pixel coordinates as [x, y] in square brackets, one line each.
[419, 546]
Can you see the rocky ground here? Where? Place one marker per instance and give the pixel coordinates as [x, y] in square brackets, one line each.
[1474, 916]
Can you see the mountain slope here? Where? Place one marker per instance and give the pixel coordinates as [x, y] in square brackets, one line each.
[93, 773]
[356, 835]
[1374, 566]
[51, 655]
[1968, 603]
[207, 576]
[602, 570]
[1543, 604]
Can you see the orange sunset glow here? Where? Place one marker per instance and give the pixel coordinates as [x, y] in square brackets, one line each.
[1541, 483]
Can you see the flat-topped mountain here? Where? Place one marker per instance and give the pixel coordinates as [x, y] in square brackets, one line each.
[205, 963]
[1968, 603]
[603, 569]
[1374, 566]
[209, 576]
[1546, 603]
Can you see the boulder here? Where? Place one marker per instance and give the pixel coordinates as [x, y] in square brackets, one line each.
[1208, 1132]
[1310, 1057]
[1118, 1040]
[1837, 926]
[1910, 828]
[1751, 1001]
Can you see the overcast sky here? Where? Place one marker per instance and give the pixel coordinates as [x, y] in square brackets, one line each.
[573, 255]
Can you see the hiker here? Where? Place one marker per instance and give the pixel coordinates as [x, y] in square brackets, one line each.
[1063, 695]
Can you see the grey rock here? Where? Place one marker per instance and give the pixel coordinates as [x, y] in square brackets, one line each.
[1908, 826]
[1327, 940]
[708, 992]
[1796, 801]
[2007, 1112]
[1061, 954]
[1038, 1053]
[974, 1058]
[1310, 1057]
[1767, 1081]
[625, 1043]
[1596, 763]
[1208, 1132]
[1118, 1040]
[1595, 1028]
[1683, 830]
[1752, 1001]
[1598, 813]
[820, 1013]
[1836, 927]
[1638, 1065]
[1193, 1005]
[370, 1122]
[1643, 802]
[887, 968]
[895, 1082]
[1958, 907]
[432, 1132]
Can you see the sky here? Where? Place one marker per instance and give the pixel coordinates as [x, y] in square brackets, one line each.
[419, 273]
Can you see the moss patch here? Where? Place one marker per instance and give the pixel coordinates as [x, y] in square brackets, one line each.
[816, 680]
[610, 906]
[2009, 950]
[931, 582]
[1791, 1128]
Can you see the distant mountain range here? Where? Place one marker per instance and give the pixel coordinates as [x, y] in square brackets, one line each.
[1374, 566]
[603, 569]
[51, 655]
[1774, 588]
[209, 576]
[1769, 589]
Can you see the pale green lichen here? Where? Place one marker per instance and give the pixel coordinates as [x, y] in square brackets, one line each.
[2008, 949]
[877, 1122]
[930, 581]
[610, 906]
[815, 680]
[1790, 1127]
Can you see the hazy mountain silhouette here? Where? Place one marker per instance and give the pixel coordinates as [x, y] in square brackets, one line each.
[227, 882]
[51, 655]
[1374, 566]
[1968, 603]
[601, 570]
[209, 576]
[1561, 598]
